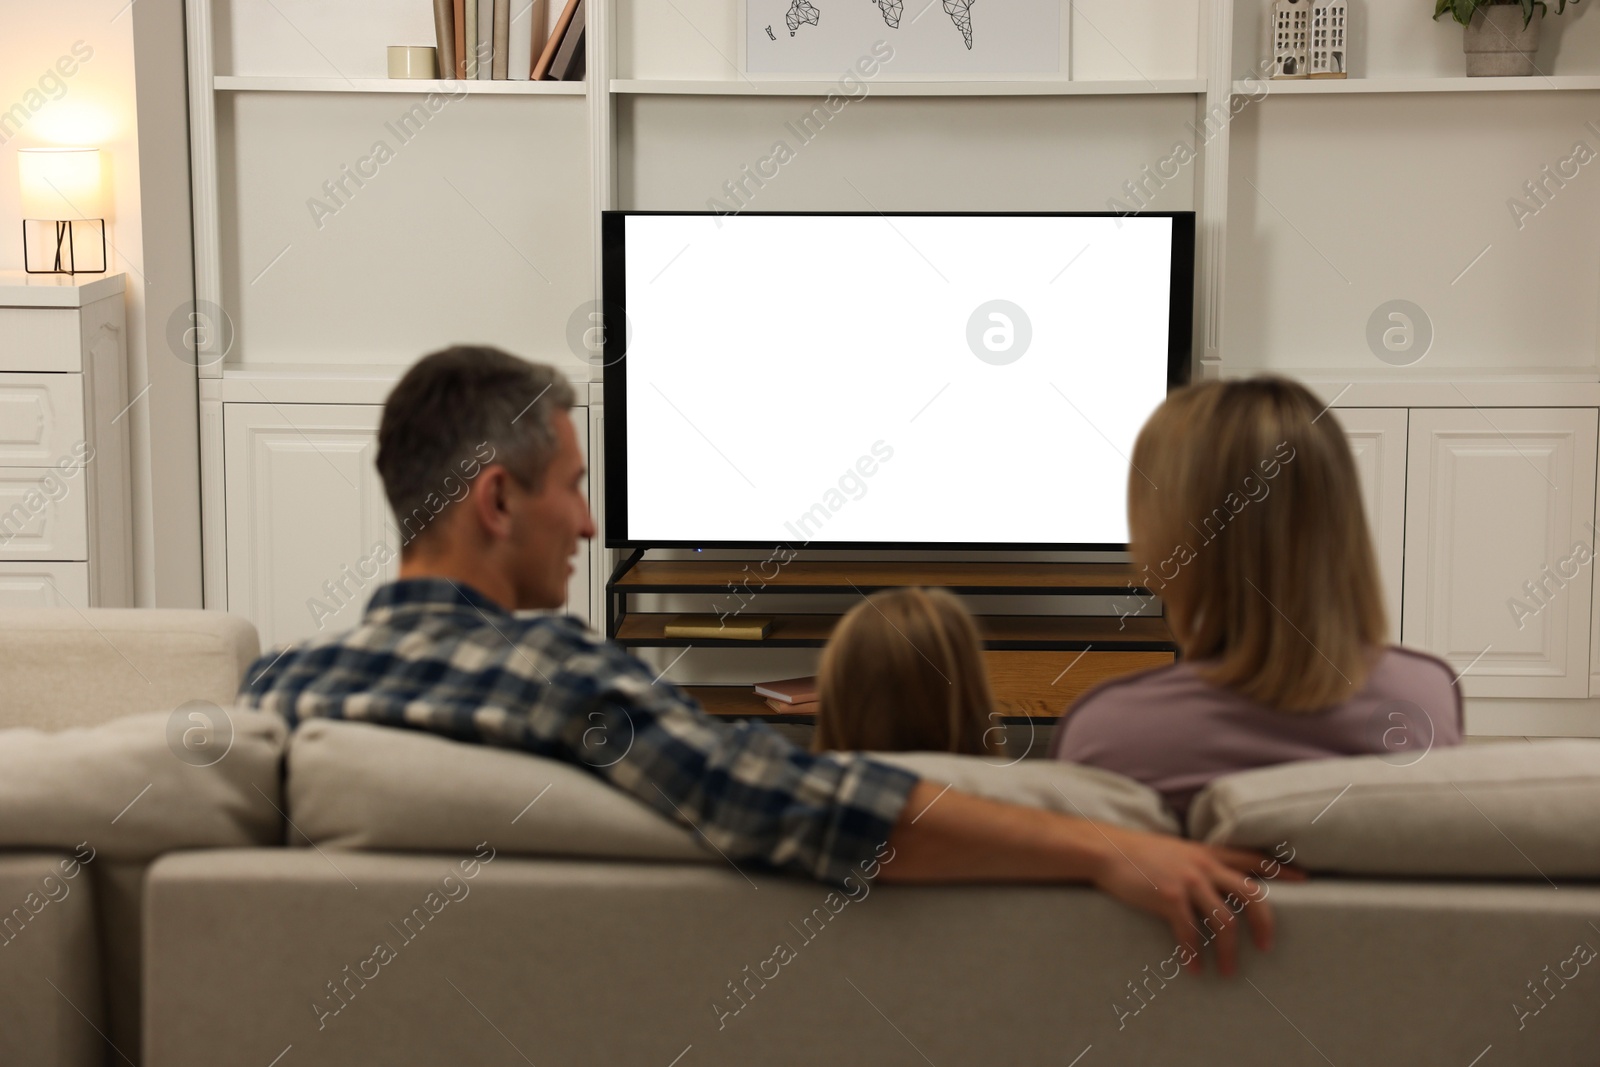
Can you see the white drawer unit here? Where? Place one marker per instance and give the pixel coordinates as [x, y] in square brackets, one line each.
[65, 515]
[43, 585]
[40, 337]
[41, 420]
[43, 514]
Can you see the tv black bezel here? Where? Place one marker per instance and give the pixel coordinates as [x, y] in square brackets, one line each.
[1180, 358]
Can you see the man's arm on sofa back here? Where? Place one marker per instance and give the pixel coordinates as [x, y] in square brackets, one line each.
[944, 836]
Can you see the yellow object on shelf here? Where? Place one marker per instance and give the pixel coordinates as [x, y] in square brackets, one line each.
[739, 628]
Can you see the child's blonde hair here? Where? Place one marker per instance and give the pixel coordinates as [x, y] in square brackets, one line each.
[903, 672]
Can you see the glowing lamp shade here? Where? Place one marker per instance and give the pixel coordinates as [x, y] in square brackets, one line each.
[64, 204]
[61, 184]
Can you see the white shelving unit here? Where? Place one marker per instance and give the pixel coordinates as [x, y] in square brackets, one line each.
[1313, 217]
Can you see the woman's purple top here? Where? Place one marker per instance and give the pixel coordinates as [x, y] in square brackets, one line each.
[1175, 732]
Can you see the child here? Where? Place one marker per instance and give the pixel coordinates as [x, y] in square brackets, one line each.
[1246, 519]
[903, 672]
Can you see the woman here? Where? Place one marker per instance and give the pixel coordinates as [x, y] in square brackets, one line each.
[903, 672]
[1246, 519]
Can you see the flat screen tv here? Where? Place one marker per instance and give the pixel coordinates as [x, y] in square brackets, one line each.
[867, 380]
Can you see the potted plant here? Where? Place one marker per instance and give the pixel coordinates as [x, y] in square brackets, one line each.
[1502, 36]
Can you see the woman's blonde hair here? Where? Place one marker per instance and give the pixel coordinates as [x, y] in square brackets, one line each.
[1246, 519]
[903, 672]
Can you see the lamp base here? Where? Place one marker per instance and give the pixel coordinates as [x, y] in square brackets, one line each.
[61, 253]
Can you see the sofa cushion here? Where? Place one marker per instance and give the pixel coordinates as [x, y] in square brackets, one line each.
[69, 667]
[360, 786]
[1507, 810]
[144, 785]
[1087, 792]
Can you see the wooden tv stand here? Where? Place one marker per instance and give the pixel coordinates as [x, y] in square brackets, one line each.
[1038, 664]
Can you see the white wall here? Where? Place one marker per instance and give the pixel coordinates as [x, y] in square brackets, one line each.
[103, 103]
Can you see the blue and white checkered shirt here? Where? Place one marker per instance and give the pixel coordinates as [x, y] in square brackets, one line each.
[431, 654]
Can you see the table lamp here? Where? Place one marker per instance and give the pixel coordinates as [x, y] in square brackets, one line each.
[63, 187]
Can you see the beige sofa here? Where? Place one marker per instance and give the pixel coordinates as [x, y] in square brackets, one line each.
[86, 773]
[447, 903]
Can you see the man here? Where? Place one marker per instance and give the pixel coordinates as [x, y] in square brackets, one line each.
[480, 463]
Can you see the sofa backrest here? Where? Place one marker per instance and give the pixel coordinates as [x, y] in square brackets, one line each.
[64, 667]
[254, 951]
[354, 785]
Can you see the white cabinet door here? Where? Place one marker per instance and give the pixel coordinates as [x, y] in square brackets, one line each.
[1377, 439]
[1499, 514]
[308, 526]
[310, 535]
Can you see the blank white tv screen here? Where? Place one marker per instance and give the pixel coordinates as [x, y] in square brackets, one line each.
[867, 380]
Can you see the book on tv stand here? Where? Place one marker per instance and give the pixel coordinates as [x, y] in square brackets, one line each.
[712, 627]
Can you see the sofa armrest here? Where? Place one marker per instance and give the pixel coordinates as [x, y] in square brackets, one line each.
[67, 667]
[50, 969]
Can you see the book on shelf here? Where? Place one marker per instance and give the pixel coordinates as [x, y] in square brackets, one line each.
[789, 690]
[469, 32]
[519, 45]
[569, 63]
[742, 628]
[485, 39]
[502, 38]
[444, 32]
[578, 68]
[541, 69]
[785, 708]
[458, 20]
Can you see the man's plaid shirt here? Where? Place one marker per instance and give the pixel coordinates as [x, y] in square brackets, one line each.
[432, 654]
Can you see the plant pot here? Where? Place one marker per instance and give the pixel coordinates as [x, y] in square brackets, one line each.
[1498, 45]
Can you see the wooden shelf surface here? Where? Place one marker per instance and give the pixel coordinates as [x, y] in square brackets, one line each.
[1056, 632]
[689, 576]
[739, 701]
[1033, 687]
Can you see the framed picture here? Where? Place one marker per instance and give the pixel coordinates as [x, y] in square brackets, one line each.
[946, 39]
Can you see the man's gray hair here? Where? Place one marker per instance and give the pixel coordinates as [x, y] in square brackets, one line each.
[455, 412]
